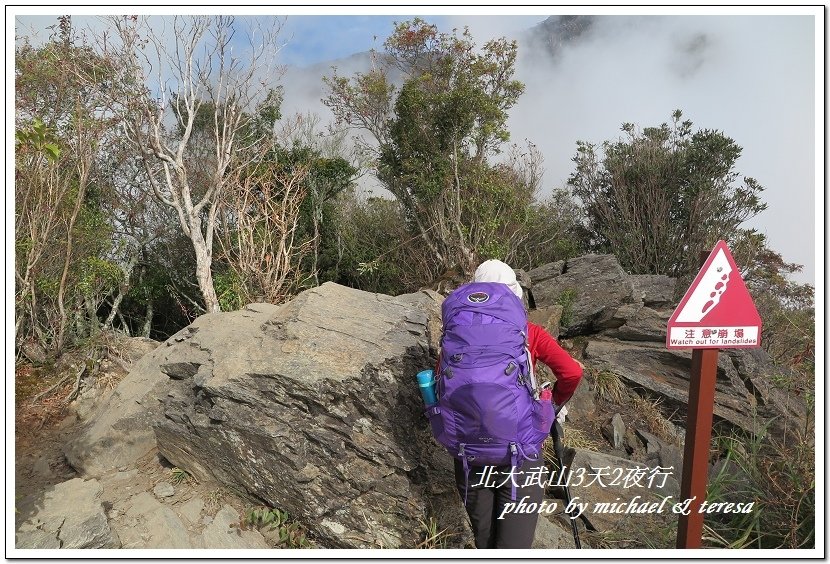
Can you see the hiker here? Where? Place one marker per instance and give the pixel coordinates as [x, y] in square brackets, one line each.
[487, 494]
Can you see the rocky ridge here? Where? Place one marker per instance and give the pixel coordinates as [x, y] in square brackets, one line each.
[310, 407]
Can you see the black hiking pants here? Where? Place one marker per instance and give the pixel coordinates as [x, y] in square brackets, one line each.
[487, 494]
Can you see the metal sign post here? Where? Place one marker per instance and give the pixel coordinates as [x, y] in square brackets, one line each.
[696, 453]
[716, 312]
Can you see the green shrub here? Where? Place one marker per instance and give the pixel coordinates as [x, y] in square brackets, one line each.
[289, 533]
[566, 300]
[177, 475]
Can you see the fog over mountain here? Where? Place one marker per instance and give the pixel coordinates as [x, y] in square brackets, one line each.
[751, 77]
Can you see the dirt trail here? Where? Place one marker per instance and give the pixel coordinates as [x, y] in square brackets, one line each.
[147, 505]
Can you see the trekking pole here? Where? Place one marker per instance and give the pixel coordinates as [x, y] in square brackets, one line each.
[556, 434]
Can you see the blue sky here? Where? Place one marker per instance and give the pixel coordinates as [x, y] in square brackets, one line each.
[314, 39]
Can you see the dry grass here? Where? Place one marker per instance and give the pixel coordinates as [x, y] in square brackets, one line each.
[433, 538]
[573, 438]
[651, 533]
[609, 386]
[577, 438]
[214, 498]
[649, 412]
[779, 477]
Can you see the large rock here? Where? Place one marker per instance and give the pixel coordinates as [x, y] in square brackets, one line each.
[120, 431]
[666, 373]
[582, 404]
[587, 287]
[614, 432]
[667, 454]
[312, 408]
[546, 272]
[634, 322]
[654, 290]
[550, 535]
[600, 480]
[548, 318]
[756, 371]
[66, 515]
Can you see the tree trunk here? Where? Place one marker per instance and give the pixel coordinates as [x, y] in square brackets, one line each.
[78, 318]
[116, 303]
[123, 288]
[125, 327]
[92, 315]
[148, 320]
[203, 273]
[62, 315]
[316, 246]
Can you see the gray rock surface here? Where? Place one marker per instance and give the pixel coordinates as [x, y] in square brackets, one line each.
[124, 352]
[583, 403]
[602, 478]
[654, 290]
[66, 515]
[634, 322]
[312, 408]
[151, 524]
[755, 371]
[546, 272]
[525, 282]
[548, 318]
[587, 286]
[614, 432]
[120, 431]
[224, 532]
[192, 510]
[665, 453]
[550, 535]
[164, 489]
[666, 373]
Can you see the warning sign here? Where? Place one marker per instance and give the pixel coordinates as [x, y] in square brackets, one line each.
[717, 310]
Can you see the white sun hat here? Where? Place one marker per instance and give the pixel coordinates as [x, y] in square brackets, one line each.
[496, 271]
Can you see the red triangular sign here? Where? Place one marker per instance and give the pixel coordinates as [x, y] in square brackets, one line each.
[717, 310]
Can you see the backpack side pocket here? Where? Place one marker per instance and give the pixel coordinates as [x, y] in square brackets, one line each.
[542, 416]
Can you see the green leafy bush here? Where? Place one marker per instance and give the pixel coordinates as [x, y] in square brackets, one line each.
[289, 533]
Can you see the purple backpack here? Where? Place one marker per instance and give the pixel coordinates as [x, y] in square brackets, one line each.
[488, 411]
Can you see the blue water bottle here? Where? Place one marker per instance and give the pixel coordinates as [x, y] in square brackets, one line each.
[426, 383]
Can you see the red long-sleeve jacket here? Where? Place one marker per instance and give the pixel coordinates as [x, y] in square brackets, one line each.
[567, 371]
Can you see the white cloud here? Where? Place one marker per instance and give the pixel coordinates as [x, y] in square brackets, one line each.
[750, 76]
